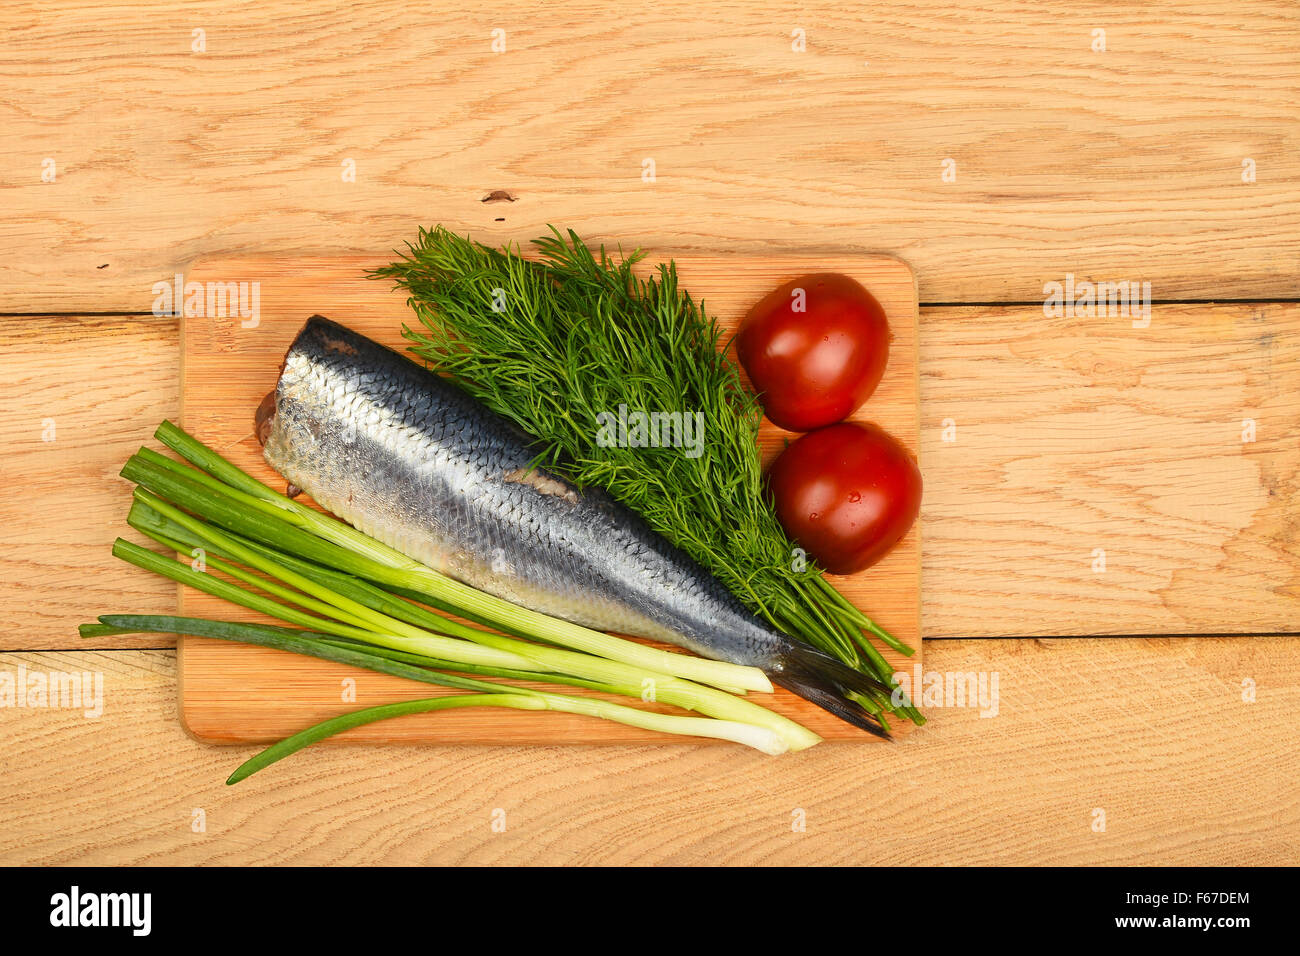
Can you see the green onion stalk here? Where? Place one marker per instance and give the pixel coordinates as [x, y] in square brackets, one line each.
[353, 600]
[485, 693]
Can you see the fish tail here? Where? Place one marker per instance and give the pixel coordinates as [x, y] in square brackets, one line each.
[821, 679]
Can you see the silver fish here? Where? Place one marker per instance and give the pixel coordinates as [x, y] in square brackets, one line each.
[416, 463]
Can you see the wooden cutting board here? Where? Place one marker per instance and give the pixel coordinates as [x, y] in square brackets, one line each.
[238, 693]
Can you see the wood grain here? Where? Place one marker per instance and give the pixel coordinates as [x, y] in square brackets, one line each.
[1123, 164]
[79, 394]
[1119, 164]
[1132, 727]
[1085, 434]
[229, 363]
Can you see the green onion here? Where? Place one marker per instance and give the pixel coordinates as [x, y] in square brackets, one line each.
[742, 733]
[336, 725]
[492, 695]
[360, 603]
[378, 562]
[306, 643]
[165, 531]
[447, 647]
[492, 651]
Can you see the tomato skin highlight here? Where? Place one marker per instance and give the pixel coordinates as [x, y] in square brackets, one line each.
[846, 494]
[815, 367]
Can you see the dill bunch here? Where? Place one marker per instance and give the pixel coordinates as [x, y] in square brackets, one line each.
[552, 343]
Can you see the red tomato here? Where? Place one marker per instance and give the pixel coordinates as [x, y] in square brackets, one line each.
[847, 494]
[815, 349]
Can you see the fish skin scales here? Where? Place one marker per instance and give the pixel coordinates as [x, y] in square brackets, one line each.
[416, 463]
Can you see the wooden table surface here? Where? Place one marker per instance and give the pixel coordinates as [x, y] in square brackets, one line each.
[1146, 712]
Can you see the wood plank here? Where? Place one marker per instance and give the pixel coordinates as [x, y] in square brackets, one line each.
[95, 387]
[1119, 164]
[1085, 434]
[229, 363]
[1001, 531]
[1134, 727]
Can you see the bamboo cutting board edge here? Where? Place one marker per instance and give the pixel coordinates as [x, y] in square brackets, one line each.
[244, 694]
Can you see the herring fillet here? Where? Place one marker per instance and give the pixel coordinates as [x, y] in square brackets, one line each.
[421, 466]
